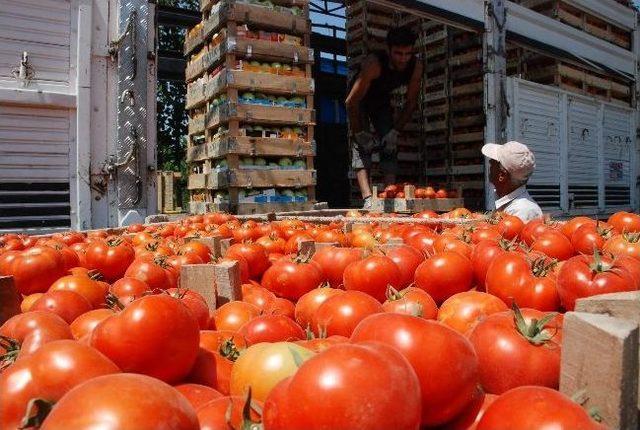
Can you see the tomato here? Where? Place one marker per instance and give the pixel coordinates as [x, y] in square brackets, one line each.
[513, 277]
[261, 367]
[372, 275]
[233, 315]
[164, 332]
[69, 257]
[198, 395]
[87, 322]
[111, 257]
[586, 276]
[157, 405]
[67, 304]
[272, 243]
[444, 275]
[532, 408]
[423, 241]
[444, 361]
[204, 370]
[28, 301]
[554, 244]
[293, 243]
[484, 233]
[331, 236]
[333, 261]
[291, 278]
[224, 348]
[153, 273]
[319, 344]
[518, 348]
[197, 248]
[279, 306]
[363, 239]
[625, 222]
[33, 270]
[590, 237]
[411, 301]
[48, 374]
[257, 296]
[254, 254]
[93, 292]
[127, 290]
[509, 226]
[469, 419]
[308, 304]
[624, 244]
[271, 328]
[533, 229]
[32, 330]
[242, 264]
[407, 259]
[463, 311]
[571, 226]
[451, 243]
[483, 254]
[227, 413]
[347, 387]
[341, 313]
[196, 304]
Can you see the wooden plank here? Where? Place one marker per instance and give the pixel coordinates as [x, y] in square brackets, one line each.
[259, 146]
[228, 285]
[200, 278]
[259, 114]
[274, 51]
[260, 178]
[267, 82]
[10, 299]
[213, 243]
[264, 208]
[415, 205]
[600, 359]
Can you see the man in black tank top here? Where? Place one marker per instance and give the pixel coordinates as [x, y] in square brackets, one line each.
[369, 105]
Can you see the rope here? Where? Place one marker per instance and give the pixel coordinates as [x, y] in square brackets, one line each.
[383, 220]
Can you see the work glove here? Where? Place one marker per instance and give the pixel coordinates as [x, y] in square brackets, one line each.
[366, 141]
[390, 142]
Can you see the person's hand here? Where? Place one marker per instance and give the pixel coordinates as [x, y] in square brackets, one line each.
[365, 141]
[390, 142]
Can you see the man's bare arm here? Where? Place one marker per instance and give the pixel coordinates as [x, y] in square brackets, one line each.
[370, 70]
[412, 97]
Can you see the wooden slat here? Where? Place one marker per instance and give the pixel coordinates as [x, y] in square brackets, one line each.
[260, 114]
[260, 178]
[255, 81]
[259, 146]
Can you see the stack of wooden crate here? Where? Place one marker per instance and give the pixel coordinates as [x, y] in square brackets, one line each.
[250, 103]
[367, 27]
[570, 75]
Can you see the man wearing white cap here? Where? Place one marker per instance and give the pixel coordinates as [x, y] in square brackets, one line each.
[511, 166]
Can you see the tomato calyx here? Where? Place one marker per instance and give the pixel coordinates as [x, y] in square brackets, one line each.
[37, 411]
[541, 268]
[229, 350]
[599, 266]
[534, 332]
[509, 245]
[580, 397]
[114, 241]
[631, 237]
[113, 302]
[247, 422]
[11, 347]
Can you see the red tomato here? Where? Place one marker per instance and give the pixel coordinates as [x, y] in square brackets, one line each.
[411, 301]
[586, 276]
[624, 244]
[469, 419]
[92, 291]
[515, 349]
[198, 395]
[33, 270]
[444, 275]
[197, 248]
[372, 275]
[69, 258]
[441, 194]
[536, 408]
[293, 244]
[49, 374]
[279, 306]
[554, 244]
[571, 226]
[291, 279]
[67, 304]
[444, 361]
[510, 226]
[157, 404]
[196, 304]
[233, 315]
[590, 237]
[407, 259]
[320, 344]
[485, 233]
[463, 311]
[451, 243]
[372, 373]
[423, 241]
[532, 230]
[625, 222]
[154, 273]
[331, 236]
[164, 332]
[309, 303]
[227, 413]
[482, 256]
[128, 289]
[257, 296]
[110, 257]
[333, 261]
[272, 243]
[32, 330]
[341, 313]
[513, 277]
[87, 322]
[271, 328]
[254, 254]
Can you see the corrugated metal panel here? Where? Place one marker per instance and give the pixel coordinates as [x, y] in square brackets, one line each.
[617, 156]
[538, 126]
[583, 152]
[40, 27]
[34, 167]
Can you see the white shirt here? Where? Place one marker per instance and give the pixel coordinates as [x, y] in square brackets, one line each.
[519, 203]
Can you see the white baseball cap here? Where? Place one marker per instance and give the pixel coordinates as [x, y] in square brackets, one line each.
[515, 157]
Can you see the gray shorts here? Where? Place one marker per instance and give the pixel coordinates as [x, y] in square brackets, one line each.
[382, 121]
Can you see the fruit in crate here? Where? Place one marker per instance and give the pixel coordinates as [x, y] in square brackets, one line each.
[282, 101]
[247, 97]
[246, 161]
[300, 164]
[285, 162]
[260, 161]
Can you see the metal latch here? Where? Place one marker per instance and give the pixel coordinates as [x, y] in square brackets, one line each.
[24, 73]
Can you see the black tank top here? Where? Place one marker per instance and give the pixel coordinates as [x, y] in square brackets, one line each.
[379, 94]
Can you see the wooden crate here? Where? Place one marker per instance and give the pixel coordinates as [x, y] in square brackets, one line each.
[243, 80]
[259, 208]
[258, 114]
[251, 146]
[245, 178]
[166, 185]
[410, 204]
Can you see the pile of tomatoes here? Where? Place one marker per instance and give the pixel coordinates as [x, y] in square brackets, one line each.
[398, 326]
[396, 191]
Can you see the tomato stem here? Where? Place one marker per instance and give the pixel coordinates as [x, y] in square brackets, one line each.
[535, 331]
[36, 418]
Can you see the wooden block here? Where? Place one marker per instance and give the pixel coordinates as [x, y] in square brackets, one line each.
[600, 359]
[307, 248]
[224, 246]
[409, 192]
[227, 282]
[320, 245]
[214, 244]
[10, 299]
[200, 278]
